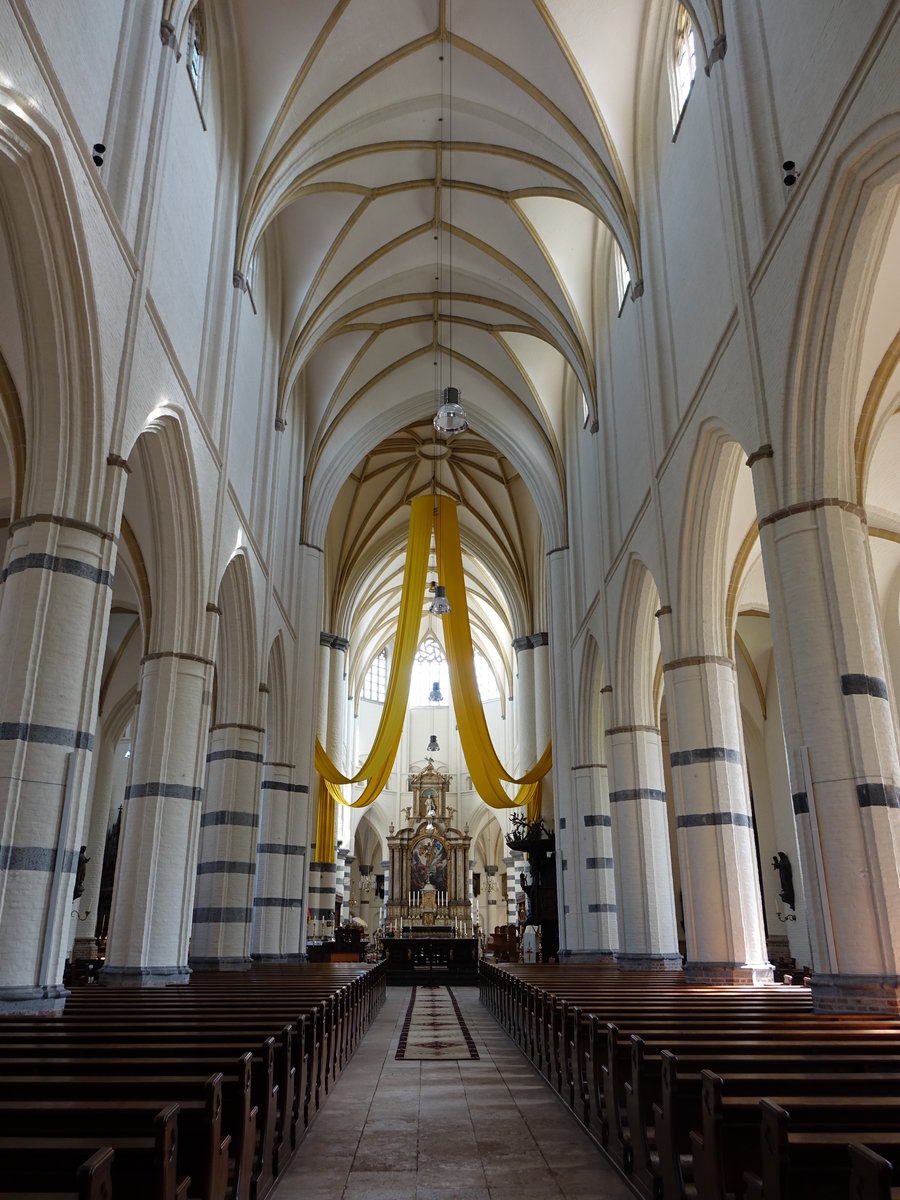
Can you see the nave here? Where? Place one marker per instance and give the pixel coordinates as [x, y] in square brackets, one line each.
[489, 1129]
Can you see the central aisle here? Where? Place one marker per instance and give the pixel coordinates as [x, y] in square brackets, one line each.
[486, 1129]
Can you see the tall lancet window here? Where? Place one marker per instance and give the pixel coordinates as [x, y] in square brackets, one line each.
[196, 50]
[684, 62]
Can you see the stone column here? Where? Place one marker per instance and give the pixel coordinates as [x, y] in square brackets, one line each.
[525, 701]
[599, 933]
[645, 896]
[223, 911]
[108, 790]
[840, 727]
[367, 899]
[332, 705]
[342, 881]
[279, 910]
[716, 842]
[540, 649]
[386, 870]
[54, 611]
[150, 921]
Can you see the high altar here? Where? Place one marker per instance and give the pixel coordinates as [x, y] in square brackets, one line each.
[429, 865]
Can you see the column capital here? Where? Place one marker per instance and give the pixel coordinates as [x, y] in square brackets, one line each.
[807, 506]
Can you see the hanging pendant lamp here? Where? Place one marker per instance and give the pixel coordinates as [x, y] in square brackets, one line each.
[440, 605]
[433, 746]
[435, 696]
[451, 416]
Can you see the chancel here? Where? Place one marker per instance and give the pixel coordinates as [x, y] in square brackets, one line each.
[450, 596]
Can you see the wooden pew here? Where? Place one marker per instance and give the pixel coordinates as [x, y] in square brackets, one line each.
[145, 1164]
[87, 1109]
[178, 1036]
[870, 1175]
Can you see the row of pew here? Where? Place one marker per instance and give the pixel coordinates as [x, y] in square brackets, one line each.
[195, 1092]
[713, 1093]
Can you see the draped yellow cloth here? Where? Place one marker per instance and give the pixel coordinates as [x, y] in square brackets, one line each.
[377, 767]
[481, 758]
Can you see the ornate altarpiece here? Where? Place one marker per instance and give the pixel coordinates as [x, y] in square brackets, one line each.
[429, 872]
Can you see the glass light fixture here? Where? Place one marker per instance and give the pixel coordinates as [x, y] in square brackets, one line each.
[433, 744]
[435, 696]
[451, 416]
[440, 605]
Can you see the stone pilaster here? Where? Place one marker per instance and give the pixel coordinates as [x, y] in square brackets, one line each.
[150, 921]
[279, 909]
[840, 727]
[716, 840]
[226, 871]
[54, 611]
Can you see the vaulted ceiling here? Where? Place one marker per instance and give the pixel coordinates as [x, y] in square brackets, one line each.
[438, 181]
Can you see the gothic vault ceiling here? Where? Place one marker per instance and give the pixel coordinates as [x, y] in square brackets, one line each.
[437, 181]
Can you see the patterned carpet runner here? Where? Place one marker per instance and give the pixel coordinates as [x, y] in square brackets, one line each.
[434, 1027]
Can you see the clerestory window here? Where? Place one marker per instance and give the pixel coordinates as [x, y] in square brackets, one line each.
[375, 683]
[623, 278]
[684, 61]
[196, 50]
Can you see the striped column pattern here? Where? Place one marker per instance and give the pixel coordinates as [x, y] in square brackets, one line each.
[645, 895]
[156, 870]
[367, 899]
[386, 871]
[342, 881]
[226, 872]
[840, 724]
[596, 910]
[716, 840]
[279, 911]
[54, 611]
[512, 887]
[322, 880]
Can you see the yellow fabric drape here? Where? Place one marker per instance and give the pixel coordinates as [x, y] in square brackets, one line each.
[481, 757]
[324, 826]
[377, 767]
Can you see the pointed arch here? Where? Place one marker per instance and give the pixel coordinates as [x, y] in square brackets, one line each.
[277, 724]
[590, 732]
[164, 467]
[702, 590]
[12, 437]
[821, 423]
[637, 649]
[236, 660]
[61, 394]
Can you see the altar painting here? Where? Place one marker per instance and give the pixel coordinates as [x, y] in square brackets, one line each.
[429, 864]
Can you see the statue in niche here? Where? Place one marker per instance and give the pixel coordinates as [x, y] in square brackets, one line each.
[782, 864]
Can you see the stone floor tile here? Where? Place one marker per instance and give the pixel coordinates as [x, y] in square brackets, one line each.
[385, 1185]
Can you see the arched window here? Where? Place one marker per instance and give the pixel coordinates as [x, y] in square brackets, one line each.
[623, 278]
[196, 50]
[488, 688]
[684, 63]
[375, 683]
[429, 667]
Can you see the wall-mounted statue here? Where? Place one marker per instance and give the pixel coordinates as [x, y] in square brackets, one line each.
[80, 870]
[782, 864]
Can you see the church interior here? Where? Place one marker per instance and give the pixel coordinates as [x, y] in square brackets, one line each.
[450, 539]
